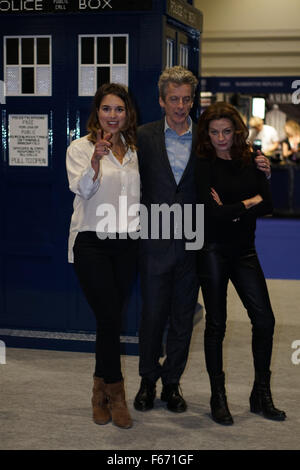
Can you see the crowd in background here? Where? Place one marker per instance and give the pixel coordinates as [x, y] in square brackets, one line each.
[281, 143]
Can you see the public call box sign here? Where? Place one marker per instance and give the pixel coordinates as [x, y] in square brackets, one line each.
[28, 140]
[72, 6]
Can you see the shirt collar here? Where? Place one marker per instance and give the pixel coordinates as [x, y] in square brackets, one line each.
[128, 155]
[189, 131]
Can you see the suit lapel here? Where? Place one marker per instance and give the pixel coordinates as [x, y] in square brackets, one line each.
[162, 151]
[189, 162]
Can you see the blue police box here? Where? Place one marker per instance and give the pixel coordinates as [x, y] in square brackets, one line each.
[53, 55]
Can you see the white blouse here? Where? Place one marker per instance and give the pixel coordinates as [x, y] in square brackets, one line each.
[109, 204]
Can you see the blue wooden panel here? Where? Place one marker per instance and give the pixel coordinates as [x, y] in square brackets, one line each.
[296, 192]
[280, 186]
[32, 301]
[29, 218]
[277, 243]
[38, 288]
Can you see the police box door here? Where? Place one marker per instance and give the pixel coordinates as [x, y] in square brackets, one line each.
[52, 65]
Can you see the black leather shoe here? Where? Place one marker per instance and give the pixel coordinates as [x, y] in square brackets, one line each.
[171, 394]
[145, 396]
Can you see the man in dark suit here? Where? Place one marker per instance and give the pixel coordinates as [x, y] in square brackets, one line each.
[169, 282]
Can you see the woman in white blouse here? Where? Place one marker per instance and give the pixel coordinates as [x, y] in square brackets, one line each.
[103, 173]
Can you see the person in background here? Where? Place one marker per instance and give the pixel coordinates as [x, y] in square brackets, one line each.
[291, 145]
[264, 133]
[235, 193]
[102, 167]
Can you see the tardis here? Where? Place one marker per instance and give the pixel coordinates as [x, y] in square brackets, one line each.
[53, 56]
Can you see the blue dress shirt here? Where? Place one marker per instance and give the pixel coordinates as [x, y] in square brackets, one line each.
[178, 149]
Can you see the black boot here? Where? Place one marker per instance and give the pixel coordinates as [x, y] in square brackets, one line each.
[218, 402]
[261, 399]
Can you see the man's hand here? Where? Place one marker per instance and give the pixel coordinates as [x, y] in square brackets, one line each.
[263, 164]
[253, 201]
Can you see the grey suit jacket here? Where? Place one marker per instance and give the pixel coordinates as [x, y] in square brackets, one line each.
[157, 180]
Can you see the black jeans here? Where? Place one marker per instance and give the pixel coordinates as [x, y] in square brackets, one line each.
[106, 271]
[219, 263]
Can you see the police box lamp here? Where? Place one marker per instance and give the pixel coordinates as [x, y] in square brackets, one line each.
[259, 107]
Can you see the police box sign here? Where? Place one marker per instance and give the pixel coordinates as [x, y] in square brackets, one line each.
[72, 6]
[28, 140]
[185, 13]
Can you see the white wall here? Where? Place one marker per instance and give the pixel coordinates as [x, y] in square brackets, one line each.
[250, 37]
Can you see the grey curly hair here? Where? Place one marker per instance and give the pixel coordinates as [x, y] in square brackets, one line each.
[178, 75]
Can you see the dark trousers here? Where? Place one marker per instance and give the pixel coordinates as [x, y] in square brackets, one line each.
[169, 288]
[105, 270]
[219, 263]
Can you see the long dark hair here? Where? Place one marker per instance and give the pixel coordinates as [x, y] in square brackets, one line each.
[240, 150]
[129, 130]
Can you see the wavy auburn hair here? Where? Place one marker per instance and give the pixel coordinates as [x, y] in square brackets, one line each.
[129, 130]
[240, 150]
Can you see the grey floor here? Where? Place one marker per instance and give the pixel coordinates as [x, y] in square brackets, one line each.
[45, 395]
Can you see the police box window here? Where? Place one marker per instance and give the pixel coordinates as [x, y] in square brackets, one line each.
[102, 59]
[27, 65]
[184, 55]
[169, 52]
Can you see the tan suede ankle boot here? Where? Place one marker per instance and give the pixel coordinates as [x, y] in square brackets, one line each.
[117, 405]
[101, 412]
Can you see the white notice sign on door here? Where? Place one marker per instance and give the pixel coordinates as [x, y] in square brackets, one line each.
[28, 140]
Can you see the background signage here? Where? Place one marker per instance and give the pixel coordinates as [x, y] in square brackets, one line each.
[248, 84]
[28, 140]
[72, 6]
[185, 13]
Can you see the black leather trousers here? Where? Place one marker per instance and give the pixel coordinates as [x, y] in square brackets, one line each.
[218, 263]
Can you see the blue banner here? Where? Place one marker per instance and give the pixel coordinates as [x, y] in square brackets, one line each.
[248, 84]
